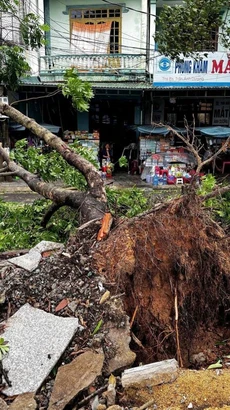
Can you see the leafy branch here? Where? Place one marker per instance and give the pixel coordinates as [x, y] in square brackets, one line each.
[80, 91]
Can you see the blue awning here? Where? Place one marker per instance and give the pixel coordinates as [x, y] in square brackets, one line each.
[50, 127]
[149, 129]
[215, 132]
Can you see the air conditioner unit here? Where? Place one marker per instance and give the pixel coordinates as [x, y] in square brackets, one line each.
[4, 100]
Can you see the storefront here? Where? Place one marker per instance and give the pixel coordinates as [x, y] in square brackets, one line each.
[163, 162]
[190, 89]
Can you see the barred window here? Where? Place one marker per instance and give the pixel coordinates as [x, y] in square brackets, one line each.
[107, 22]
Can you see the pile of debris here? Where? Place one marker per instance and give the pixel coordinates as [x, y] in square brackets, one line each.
[69, 336]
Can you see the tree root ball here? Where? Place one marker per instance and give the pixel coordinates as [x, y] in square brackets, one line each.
[175, 260]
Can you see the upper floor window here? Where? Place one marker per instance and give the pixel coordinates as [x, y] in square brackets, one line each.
[95, 31]
[9, 29]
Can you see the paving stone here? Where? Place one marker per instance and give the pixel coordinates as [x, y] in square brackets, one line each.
[37, 340]
[29, 261]
[24, 402]
[75, 377]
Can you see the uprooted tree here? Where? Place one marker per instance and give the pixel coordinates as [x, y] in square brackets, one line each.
[172, 262]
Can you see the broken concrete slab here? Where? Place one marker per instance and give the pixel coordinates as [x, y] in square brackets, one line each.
[29, 261]
[120, 338]
[37, 340]
[45, 246]
[75, 377]
[152, 374]
[24, 401]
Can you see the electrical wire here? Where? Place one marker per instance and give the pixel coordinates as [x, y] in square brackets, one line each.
[83, 39]
[52, 94]
[67, 32]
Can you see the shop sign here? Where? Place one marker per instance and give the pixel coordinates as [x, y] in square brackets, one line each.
[211, 70]
[221, 112]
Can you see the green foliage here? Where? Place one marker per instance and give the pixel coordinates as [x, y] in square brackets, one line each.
[9, 6]
[32, 32]
[123, 162]
[190, 28]
[4, 347]
[219, 205]
[51, 166]
[12, 66]
[20, 225]
[127, 202]
[80, 91]
[208, 183]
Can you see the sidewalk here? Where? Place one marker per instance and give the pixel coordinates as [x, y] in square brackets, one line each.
[15, 186]
[18, 190]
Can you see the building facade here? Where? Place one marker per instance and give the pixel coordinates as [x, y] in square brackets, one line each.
[110, 46]
[193, 89]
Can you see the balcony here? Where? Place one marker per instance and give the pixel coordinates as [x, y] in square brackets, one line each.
[95, 67]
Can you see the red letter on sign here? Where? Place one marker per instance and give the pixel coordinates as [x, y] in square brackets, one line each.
[217, 68]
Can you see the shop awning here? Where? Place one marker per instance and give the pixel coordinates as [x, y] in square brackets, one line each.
[17, 127]
[215, 132]
[50, 127]
[149, 129]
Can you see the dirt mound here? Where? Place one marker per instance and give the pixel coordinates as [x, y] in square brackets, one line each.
[173, 262]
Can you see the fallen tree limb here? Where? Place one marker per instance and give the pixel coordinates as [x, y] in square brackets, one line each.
[49, 213]
[4, 169]
[8, 174]
[90, 206]
[92, 176]
[218, 191]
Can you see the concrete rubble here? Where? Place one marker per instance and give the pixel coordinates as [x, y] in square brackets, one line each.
[151, 374]
[75, 377]
[24, 402]
[120, 338]
[30, 260]
[37, 340]
[3, 405]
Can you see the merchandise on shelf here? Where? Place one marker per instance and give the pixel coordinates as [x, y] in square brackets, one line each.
[84, 138]
[160, 157]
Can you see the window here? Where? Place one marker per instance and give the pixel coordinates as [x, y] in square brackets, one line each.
[95, 30]
[9, 30]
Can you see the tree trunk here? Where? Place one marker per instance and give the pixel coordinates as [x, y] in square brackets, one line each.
[92, 203]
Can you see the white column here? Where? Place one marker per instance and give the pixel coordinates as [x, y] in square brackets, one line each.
[152, 30]
[144, 24]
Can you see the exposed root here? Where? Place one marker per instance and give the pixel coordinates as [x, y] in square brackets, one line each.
[176, 247]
